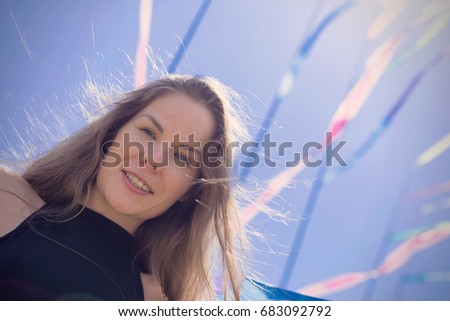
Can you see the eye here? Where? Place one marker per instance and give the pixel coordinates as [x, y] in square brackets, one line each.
[149, 132]
[182, 157]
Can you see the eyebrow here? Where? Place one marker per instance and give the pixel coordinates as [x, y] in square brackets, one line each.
[155, 122]
[161, 129]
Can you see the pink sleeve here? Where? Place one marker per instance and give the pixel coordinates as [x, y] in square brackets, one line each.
[18, 200]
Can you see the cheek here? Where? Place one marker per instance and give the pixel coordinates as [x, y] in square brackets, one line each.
[126, 144]
[181, 180]
[104, 177]
[114, 154]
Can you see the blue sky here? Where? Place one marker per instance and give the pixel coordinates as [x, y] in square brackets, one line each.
[50, 48]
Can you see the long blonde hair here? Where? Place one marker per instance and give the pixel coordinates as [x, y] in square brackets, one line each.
[180, 246]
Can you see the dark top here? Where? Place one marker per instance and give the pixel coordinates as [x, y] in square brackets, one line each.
[86, 258]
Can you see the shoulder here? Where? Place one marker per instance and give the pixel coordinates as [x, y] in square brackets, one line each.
[152, 290]
[18, 200]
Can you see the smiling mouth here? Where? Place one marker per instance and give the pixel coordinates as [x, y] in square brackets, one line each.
[136, 182]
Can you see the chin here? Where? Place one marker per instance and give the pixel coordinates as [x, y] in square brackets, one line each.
[127, 207]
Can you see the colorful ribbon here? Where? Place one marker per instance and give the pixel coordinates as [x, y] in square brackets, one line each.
[404, 235]
[346, 111]
[431, 10]
[399, 256]
[429, 155]
[287, 80]
[428, 192]
[429, 34]
[188, 37]
[433, 152]
[145, 17]
[391, 11]
[425, 277]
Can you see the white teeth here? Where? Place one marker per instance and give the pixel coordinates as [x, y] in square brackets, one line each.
[137, 182]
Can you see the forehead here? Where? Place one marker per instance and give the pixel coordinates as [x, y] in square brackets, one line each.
[177, 113]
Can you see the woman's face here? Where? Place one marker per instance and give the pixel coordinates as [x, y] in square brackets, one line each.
[153, 161]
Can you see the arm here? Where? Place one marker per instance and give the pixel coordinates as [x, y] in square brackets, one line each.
[18, 200]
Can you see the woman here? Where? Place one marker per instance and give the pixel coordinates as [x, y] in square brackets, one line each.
[140, 170]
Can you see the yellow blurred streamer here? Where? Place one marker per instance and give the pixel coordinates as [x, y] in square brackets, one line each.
[434, 8]
[433, 30]
[391, 11]
[433, 152]
[429, 34]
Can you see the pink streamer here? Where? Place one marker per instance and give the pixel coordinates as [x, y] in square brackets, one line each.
[140, 70]
[375, 66]
[335, 284]
[275, 186]
[428, 192]
[347, 110]
[399, 256]
[402, 253]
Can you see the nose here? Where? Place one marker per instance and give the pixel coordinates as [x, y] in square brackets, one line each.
[155, 157]
[151, 164]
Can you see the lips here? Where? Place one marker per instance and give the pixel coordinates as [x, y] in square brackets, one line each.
[140, 179]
